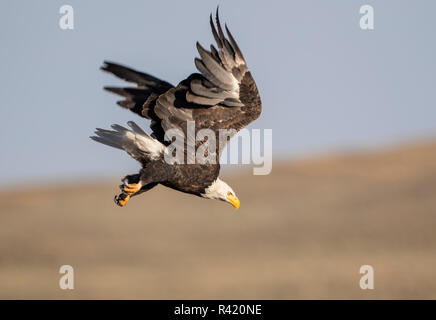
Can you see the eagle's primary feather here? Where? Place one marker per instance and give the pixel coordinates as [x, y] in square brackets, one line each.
[223, 95]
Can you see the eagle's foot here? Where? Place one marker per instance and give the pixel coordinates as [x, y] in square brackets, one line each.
[130, 188]
[122, 199]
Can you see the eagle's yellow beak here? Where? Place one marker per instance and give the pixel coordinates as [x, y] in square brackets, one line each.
[234, 201]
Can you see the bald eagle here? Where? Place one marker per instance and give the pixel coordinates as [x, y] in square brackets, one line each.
[223, 95]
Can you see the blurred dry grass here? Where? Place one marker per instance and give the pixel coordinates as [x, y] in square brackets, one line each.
[301, 232]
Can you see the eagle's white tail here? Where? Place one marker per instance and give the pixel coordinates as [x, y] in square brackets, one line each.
[138, 144]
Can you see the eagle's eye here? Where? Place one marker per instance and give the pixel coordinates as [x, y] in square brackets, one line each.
[229, 193]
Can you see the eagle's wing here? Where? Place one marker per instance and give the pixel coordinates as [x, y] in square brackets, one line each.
[223, 96]
[142, 98]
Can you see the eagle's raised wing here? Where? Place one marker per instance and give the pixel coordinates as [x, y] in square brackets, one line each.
[222, 96]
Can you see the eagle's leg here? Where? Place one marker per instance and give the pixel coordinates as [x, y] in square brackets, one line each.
[131, 185]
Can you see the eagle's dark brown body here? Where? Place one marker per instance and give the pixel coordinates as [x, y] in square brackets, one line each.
[222, 96]
[194, 178]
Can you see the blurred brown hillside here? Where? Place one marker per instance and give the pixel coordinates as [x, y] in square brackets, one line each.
[301, 232]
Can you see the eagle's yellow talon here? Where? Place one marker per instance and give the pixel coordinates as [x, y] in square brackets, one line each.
[131, 188]
[122, 199]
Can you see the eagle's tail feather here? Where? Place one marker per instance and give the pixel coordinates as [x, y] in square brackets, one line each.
[137, 143]
[108, 138]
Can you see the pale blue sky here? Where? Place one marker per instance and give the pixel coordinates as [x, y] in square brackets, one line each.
[326, 85]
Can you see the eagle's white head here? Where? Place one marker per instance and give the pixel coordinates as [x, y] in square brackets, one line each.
[220, 190]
